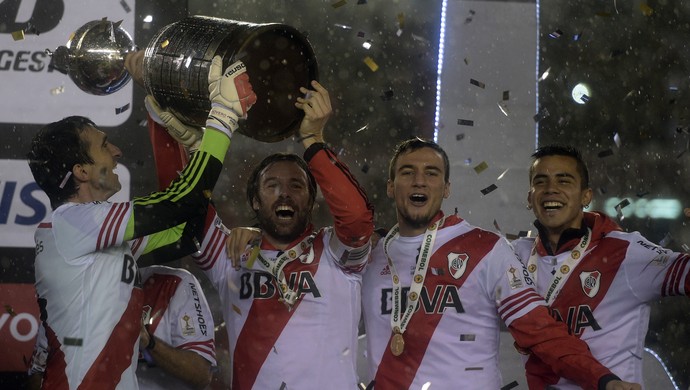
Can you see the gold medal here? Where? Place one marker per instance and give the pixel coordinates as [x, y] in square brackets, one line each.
[397, 344]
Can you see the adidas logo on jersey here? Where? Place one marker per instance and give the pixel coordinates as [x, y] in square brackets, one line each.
[386, 270]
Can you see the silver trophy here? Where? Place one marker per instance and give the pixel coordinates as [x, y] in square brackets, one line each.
[279, 60]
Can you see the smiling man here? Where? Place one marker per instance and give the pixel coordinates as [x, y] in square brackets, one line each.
[437, 287]
[596, 278]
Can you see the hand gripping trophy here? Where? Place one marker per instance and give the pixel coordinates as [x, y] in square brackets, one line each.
[175, 67]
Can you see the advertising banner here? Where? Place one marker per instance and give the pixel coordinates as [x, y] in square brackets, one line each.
[34, 93]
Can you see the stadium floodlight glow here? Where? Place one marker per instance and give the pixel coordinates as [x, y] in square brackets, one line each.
[580, 93]
[645, 208]
[439, 68]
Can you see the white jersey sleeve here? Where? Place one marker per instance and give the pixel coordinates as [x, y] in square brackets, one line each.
[654, 271]
[81, 229]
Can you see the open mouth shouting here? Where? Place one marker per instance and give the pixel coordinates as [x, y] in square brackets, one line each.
[285, 212]
[418, 199]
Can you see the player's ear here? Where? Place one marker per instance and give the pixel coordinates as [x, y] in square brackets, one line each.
[80, 172]
[389, 189]
[255, 204]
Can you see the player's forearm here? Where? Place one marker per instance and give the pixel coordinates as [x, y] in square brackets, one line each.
[352, 213]
[182, 364]
[186, 197]
[569, 357]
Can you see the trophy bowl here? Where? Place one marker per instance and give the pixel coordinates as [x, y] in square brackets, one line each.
[175, 66]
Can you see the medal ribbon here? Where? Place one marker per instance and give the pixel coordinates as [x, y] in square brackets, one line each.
[561, 275]
[275, 268]
[398, 322]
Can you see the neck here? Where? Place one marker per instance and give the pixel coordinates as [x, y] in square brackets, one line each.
[276, 243]
[553, 239]
[410, 231]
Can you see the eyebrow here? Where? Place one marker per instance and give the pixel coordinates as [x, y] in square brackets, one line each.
[426, 168]
[543, 175]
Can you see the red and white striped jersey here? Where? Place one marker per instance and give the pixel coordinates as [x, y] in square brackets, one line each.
[87, 281]
[175, 311]
[313, 345]
[90, 297]
[605, 298]
[473, 281]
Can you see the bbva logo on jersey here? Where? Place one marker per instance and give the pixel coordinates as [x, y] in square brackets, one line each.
[590, 282]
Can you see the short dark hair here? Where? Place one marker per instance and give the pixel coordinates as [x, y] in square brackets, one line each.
[253, 181]
[55, 150]
[562, 150]
[416, 143]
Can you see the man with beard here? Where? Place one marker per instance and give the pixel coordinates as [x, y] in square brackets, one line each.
[437, 287]
[595, 277]
[292, 307]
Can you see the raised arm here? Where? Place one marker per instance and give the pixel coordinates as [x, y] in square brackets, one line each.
[187, 196]
[352, 213]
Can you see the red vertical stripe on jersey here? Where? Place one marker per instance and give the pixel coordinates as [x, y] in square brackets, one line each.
[54, 377]
[118, 223]
[606, 258]
[116, 356]
[212, 250]
[398, 372]
[674, 277]
[158, 291]
[114, 218]
[258, 336]
[517, 302]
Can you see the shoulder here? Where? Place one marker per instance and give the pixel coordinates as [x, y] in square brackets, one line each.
[523, 243]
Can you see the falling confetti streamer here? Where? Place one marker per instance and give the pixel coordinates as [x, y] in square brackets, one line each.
[489, 189]
[605, 153]
[465, 122]
[10, 310]
[481, 167]
[18, 35]
[504, 108]
[57, 90]
[371, 64]
[668, 238]
[339, 4]
[619, 208]
[542, 114]
[125, 6]
[510, 385]
[478, 83]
